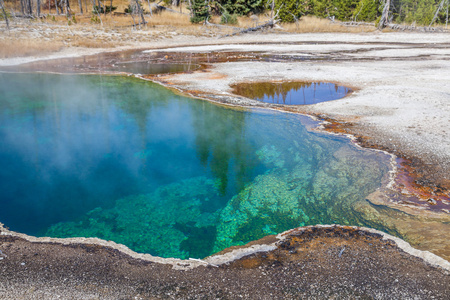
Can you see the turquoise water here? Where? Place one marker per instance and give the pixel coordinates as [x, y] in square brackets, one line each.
[127, 160]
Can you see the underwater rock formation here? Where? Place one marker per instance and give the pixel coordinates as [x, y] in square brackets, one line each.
[151, 223]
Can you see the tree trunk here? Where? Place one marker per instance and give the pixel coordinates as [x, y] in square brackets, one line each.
[140, 12]
[67, 8]
[38, 8]
[190, 9]
[56, 7]
[272, 8]
[384, 20]
[30, 8]
[81, 6]
[96, 11]
[2, 4]
[150, 8]
[446, 20]
[441, 5]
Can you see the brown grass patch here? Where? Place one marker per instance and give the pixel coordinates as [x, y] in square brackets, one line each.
[90, 43]
[169, 18]
[18, 48]
[315, 24]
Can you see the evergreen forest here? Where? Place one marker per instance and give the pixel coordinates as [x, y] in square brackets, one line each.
[419, 12]
[414, 12]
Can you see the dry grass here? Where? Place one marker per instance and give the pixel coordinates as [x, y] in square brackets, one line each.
[314, 24]
[17, 48]
[90, 43]
[252, 21]
[51, 34]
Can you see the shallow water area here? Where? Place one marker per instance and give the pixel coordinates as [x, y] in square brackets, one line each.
[291, 93]
[150, 68]
[127, 160]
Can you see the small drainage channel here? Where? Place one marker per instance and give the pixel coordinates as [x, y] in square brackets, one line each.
[291, 93]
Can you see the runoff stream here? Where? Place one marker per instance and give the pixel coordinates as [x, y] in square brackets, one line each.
[127, 160]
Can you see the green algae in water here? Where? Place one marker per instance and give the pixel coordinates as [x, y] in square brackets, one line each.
[127, 160]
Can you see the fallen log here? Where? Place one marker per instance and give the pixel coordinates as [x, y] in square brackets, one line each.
[270, 23]
[414, 28]
[352, 23]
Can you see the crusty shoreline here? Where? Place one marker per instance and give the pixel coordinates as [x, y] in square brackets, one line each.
[314, 261]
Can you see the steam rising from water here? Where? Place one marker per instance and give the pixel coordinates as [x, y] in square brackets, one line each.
[129, 161]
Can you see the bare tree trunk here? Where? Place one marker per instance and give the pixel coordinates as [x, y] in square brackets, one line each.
[140, 12]
[2, 4]
[81, 6]
[96, 11]
[30, 8]
[49, 7]
[272, 8]
[446, 20]
[441, 5]
[67, 8]
[56, 7]
[191, 11]
[38, 8]
[384, 20]
[150, 8]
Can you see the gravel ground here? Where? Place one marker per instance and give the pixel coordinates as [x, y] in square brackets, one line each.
[314, 263]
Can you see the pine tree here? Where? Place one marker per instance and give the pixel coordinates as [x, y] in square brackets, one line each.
[290, 10]
[425, 12]
[242, 7]
[199, 10]
[367, 10]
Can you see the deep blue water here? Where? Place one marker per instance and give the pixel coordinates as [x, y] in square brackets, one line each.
[127, 160]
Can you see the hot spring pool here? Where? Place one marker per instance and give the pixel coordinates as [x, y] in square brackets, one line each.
[127, 160]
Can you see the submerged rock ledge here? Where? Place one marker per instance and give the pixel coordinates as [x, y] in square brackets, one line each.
[314, 261]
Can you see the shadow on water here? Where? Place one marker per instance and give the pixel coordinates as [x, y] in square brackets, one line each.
[291, 93]
[127, 160]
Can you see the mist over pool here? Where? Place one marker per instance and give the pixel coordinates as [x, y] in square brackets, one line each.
[127, 160]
